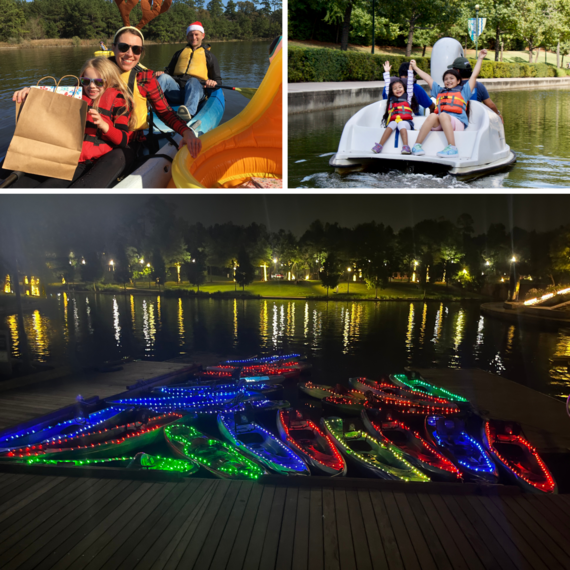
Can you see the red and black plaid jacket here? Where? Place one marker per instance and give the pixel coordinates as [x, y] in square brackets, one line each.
[96, 143]
[151, 90]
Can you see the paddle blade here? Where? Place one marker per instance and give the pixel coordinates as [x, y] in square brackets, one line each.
[248, 92]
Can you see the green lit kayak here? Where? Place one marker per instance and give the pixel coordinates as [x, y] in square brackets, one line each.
[368, 454]
[219, 458]
[418, 384]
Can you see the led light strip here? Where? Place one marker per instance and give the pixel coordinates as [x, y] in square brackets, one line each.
[546, 487]
[300, 464]
[412, 383]
[252, 471]
[424, 478]
[490, 467]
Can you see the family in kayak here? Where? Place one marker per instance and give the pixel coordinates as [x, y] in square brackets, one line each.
[118, 91]
[449, 113]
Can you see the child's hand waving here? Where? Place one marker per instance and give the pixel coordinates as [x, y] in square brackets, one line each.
[387, 66]
[96, 118]
[483, 53]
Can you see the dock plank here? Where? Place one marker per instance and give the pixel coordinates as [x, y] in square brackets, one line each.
[389, 542]
[287, 534]
[407, 552]
[302, 522]
[316, 558]
[259, 532]
[377, 554]
[345, 545]
[359, 540]
[330, 534]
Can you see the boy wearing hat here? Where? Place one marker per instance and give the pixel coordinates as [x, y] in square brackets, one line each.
[181, 80]
[422, 97]
[462, 65]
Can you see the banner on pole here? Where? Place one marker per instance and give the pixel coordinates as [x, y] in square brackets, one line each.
[473, 32]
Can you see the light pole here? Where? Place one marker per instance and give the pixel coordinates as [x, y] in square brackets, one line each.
[275, 270]
[476, 30]
[513, 280]
[348, 270]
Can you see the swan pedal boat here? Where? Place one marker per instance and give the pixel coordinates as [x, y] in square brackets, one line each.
[482, 145]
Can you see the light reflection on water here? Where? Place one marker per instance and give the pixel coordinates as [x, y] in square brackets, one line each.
[342, 339]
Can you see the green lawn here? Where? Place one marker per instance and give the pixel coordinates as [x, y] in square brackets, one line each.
[508, 56]
[356, 290]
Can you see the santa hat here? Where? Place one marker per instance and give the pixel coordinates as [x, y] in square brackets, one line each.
[195, 26]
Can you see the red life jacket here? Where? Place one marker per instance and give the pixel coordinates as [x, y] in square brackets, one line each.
[399, 107]
[451, 101]
[94, 146]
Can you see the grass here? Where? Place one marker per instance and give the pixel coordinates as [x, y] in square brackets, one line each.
[508, 56]
[356, 290]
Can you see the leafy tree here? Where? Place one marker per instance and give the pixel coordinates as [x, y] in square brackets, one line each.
[92, 270]
[195, 269]
[158, 267]
[330, 272]
[376, 273]
[13, 21]
[245, 271]
[123, 273]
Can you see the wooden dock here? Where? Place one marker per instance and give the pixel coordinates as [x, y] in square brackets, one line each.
[76, 523]
[20, 403]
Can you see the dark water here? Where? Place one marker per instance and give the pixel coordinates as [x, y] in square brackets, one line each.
[537, 128]
[341, 339]
[243, 64]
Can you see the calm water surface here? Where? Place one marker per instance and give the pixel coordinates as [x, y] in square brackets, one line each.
[537, 128]
[341, 339]
[243, 64]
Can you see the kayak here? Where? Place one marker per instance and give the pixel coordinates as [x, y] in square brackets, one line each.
[289, 370]
[104, 53]
[316, 448]
[254, 378]
[424, 388]
[449, 436]
[517, 457]
[217, 457]
[321, 391]
[255, 391]
[69, 428]
[402, 399]
[347, 404]
[211, 407]
[415, 449]
[260, 444]
[141, 461]
[272, 359]
[108, 442]
[247, 150]
[369, 454]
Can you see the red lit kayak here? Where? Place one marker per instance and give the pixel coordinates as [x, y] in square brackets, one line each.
[308, 441]
[517, 457]
[383, 426]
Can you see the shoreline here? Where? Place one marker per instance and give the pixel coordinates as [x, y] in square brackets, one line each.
[68, 43]
[325, 96]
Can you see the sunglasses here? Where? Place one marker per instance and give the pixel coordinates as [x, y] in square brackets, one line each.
[86, 81]
[124, 48]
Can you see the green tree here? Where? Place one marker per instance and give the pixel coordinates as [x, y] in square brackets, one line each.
[376, 273]
[158, 267]
[245, 271]
[330, 272]
[123, 273]
[13, 21]
[195, 269]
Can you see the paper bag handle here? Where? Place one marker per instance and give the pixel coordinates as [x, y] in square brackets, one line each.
[74, 77]
[46, 77]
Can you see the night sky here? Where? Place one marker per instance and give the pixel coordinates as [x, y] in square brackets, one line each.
[296, 211]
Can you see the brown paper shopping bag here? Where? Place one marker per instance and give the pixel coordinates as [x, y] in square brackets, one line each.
[48, 136]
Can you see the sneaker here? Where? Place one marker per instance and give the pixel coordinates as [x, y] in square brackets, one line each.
[406, 149]
[418, 150]
[184, 114]
[377, 148]
[449, 151]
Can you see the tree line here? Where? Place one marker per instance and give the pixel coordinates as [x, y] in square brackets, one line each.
[510, 24]
[100, 19]
[154, 243]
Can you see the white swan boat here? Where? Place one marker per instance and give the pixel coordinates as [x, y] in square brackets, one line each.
[482, 145]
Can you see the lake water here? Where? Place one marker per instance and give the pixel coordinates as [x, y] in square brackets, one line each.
[243, 64]
[537, 128]
[341, 339]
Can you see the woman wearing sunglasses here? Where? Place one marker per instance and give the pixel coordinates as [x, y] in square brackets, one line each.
[128, 46]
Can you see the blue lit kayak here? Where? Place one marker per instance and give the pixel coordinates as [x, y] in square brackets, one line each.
[259, 444]
[449, 435]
